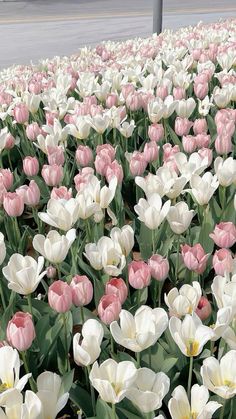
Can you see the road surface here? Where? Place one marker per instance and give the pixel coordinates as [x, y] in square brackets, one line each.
[34, 29]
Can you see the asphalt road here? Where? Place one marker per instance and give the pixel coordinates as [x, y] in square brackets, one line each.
[34, 29]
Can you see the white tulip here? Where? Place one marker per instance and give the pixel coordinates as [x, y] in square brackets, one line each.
[9, 373]
[140, 331]
[87, 351]
[149, 390]
[185, 107]
[222, 97]
[227, 59]
[50, 393]
[61, 213]
[223, 318]
[112, 379]
[203, 188]
[224, 291]
[184, 301]
[220, 376]
[204, 106]
[125, 237]
[56, 130]
[151, 211]
[23, 273]
[32, 101]
[235, 202]
[87, 206]
[179, 217]
[3, 138]
[86, 83]
[199, 408]
[99, 122]
[188, 167]
[190, 334]
[229, 336]
[225, 170]
[127, 128]
[80, 129]
[15, 408]
[2, 248]
[54, 247]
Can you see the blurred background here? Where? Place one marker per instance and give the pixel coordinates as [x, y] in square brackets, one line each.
[34, 29]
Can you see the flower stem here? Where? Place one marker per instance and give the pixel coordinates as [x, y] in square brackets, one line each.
[153, 242]
[92, 392]
[31, 380]
[3, 298]
[113, 406]
[58, 271]
[29, 299]
[190, 376]
[82, 313]
[66, 342]
[160, 283]
[112, 345]
[138, 358]
[177, 260]
[222, 409]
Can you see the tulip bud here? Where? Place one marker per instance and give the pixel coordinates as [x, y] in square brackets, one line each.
[52, 174]
[118, 287]
[51, 272]
[194, 258]
[200, 126]
[60, 296]
[30, 194]
[224, 234]
[182, 126]
[7, 178]
[56, 156]
[159, 267]
[30, 166]
[150, 152]
[10, 142]
[21, 113]
[82, 290]
[139, 274]
[32, 131]
[137, 164]
[61, 193]
[189, 144]
[156, 132]
[84, 155]
[222, 261]
[114, 169]
[13, 204]
[223, 144]
[203, 309]
[20, 331]
[109, 308]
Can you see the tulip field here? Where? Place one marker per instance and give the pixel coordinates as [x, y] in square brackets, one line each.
[118, 230]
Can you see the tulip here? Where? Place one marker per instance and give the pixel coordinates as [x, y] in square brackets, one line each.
[55, 158]
[106, 150]
[118, 287]
[223, 144]
[139, 274]
[140, 331]
[30, 166]
[159, 267]
[224, 317]
[84, 155]
[203, 187]
[179, 217]
[52, 174]
[51, 393]
[184, 301]
[194, 165]
[224, 234]
[109, 308]
[151, 211]
[81, 129]
[61, 193]
[150, 152]
[7, 178]
[149, 390]
[51, 272]
[137, 164]
[60, 296]
[82, 290]
[54, 247]
[13, 402]
[60, 213]
[23, 273]
[125, 238]
[194, 258]
[20, 331]
[10, 372]
[30, 194]
[21, 113]
[189, 143]
[220, 376]
[112, 379]
[2, 248]
[225, 171]
[203, 309]
[184, 108]
[114, 169]
[200, 126]
[156, 132]
[198, 407]
[127, 128]
[222, 261]
[86, 352]
[32, 131]
[13, 204]
[190, 334]
[182, 126]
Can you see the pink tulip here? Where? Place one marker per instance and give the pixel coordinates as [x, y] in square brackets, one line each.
[222, 261]
[224, 234]
[82, 290]
[101, 164]
[111, 100]
[84, 155]
[10, 142]
[206, 153]
[32, 131]
[7, 178]
[159, 267]
[162, 92]
[60, 296]
[223, 144]
[109, 308]
[200, 126]
[137, 164]
[52, 174]
[3, 191]
[150, 152]
[194, 258]
[114, 169]
[189, 144]
[139, 274]
[182, 126]
[118, 287]
[156, 132]
[134, 101]
[20, 331]
[30, 194]
[179, 93]
[83, 178]
[13, 204]
[203, 309]
[105, 150]
[127, 89]
[61, 193]
[202, 140]
[200, 90]
[21, 113]
[51, 272]
[56, 156]
[30, 166]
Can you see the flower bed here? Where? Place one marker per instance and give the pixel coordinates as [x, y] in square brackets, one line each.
[117, 192]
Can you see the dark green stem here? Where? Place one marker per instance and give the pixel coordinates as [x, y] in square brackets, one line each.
[92, 392]
[138, 359]
[31, 380]
[190, 376]
[223, 409]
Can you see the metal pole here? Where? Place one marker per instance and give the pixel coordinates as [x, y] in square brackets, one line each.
[157, 16]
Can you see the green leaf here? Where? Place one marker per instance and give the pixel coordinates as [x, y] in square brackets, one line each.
[81, 398]
[211, 125]
[207, 228]
[168, 364]
[145, 241]
[174, 137]
[67, 381]
[103, 411]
